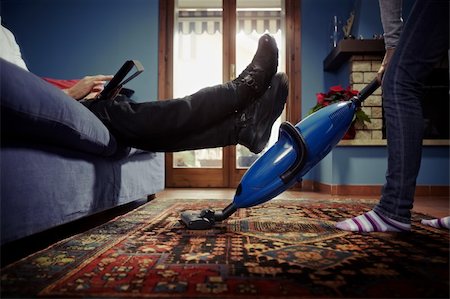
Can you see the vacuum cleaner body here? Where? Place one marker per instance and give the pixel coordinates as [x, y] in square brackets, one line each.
[298, 149]
[294, 154]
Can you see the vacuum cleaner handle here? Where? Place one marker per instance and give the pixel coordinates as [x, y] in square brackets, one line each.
[368, 90]
[300, 159]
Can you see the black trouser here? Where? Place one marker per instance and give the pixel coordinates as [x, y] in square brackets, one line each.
[204, 119]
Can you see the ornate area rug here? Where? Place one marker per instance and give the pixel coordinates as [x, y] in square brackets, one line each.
[283, 249]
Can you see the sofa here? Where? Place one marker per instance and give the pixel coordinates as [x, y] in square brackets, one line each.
[59, 163]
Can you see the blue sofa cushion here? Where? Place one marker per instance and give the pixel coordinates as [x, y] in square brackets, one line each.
[33, 108]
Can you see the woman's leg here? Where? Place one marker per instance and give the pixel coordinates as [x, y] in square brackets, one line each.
[423, 43]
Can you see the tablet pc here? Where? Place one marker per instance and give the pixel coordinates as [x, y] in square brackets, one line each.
[119, 80]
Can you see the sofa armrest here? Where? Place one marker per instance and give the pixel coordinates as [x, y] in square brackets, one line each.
[34, 109]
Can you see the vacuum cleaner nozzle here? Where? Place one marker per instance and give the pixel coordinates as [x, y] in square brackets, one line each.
[198, 220]
[206, 218]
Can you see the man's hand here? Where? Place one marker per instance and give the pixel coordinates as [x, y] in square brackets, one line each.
[385, 63]
[88, 87]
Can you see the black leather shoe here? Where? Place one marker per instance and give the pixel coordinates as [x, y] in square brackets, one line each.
[255, 79]
[256, 121]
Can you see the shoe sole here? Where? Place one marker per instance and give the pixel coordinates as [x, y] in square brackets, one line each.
[278, 91]
[268, 44]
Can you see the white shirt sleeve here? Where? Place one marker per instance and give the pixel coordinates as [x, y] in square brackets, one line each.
[9, 49]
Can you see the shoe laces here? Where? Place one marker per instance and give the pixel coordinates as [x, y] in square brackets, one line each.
[247, 78]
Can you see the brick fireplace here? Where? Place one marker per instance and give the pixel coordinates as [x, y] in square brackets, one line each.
[363, 69]
[360, 61]
[364, 58]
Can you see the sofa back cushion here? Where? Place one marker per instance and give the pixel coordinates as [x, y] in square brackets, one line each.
[34, 109]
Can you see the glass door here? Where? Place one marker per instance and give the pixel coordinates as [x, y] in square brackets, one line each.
[197, 63]
[255, 18]
[213, 41]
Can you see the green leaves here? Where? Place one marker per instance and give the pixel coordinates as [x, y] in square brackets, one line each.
[361, 116]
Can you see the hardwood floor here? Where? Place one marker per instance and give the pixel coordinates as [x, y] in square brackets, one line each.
[435, 206]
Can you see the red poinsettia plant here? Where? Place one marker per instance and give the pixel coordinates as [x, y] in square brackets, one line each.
[339, 94]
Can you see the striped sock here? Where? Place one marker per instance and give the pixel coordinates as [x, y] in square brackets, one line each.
[372, 222]
[438, 222]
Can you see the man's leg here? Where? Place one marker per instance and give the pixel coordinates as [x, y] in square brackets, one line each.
[145, 122]
[130, 120]
[251, 127]
[423, 43]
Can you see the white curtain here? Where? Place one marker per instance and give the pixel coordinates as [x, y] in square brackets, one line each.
[199, 22]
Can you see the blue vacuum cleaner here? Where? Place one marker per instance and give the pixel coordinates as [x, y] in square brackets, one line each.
[298, 149]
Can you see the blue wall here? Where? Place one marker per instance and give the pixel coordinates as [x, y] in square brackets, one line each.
[73, 38]
[351, 165]
[317, 16]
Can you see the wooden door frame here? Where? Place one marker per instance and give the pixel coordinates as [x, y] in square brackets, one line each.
[229, 59]
[165, 76]
[165, 63]
[293, 60]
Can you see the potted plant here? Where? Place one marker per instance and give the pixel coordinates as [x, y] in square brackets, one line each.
[339, 94]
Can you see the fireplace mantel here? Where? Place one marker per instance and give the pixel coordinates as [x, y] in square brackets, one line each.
[364, 58]
[349, 47]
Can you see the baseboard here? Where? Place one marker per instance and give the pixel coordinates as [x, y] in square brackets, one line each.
[368, 190]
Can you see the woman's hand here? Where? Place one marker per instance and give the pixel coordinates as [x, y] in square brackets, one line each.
[88, 87]
[385, 63]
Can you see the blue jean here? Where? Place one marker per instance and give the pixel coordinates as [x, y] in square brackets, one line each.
[423, 43]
